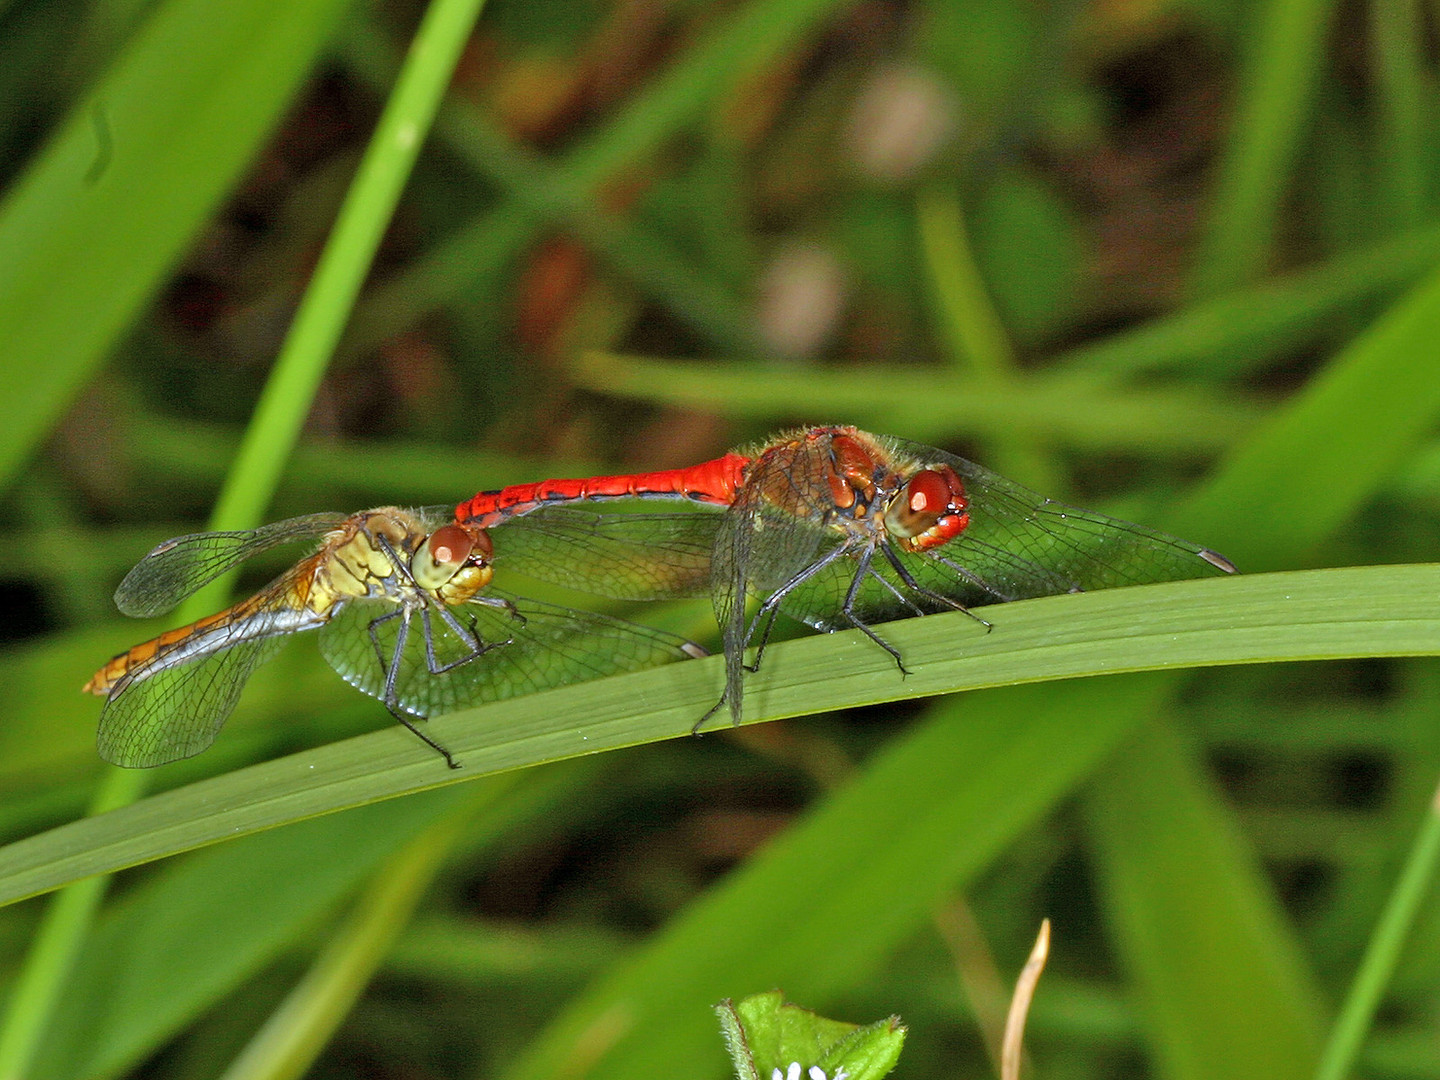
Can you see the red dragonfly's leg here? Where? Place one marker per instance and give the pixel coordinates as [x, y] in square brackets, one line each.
[930, 594]
[848, 609]
[724, 696]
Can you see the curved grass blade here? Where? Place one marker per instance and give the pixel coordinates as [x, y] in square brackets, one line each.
[1324, 614]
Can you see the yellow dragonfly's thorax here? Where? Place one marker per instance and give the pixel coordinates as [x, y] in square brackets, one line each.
[448, 566]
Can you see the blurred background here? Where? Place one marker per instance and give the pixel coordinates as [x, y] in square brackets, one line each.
[1100, 247]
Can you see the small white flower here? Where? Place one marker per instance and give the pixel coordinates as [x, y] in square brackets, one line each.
[814, 1073]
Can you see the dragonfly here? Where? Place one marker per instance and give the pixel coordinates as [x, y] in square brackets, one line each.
[840, 529]
[403, 603]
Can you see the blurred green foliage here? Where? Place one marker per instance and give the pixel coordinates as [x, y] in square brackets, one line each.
[1176, 258]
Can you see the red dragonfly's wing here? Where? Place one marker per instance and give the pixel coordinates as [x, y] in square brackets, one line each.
[1020, 544]
[621, 555]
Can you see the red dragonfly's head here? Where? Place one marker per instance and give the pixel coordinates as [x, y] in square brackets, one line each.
[930, 509]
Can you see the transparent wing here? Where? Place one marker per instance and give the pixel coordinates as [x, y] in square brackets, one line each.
[625, 556]
[532, 646]
[178, 567]
[1020, 544]
[929, 584]
[176, 712]
[760, 547]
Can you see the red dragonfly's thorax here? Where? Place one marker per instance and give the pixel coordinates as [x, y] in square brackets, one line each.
[854, 481]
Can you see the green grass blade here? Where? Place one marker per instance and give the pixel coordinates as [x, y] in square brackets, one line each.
[969, 323]
[1181, 873]
[186, 105]
[1358, 1011]
[1292, 486]
[1234, 331]
[818, 907]
[267, 893]
[230, 115]
[403, 472]
[1357, 421]
[1376, 611]
[737, 46]
[642, 255]
[158, 957]
[1281, 69]
[42, 980]
[287, 1046]
[345, 262]
[1165, 422]
[285, 403]
[1397, 46]
[45, 974]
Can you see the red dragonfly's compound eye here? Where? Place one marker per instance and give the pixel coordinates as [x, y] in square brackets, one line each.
[929, 510]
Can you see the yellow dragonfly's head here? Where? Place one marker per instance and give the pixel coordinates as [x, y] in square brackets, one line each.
[454, 563]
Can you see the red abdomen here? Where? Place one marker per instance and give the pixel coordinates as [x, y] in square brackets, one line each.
[709, 482]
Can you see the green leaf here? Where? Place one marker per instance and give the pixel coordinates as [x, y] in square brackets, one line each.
[1368, 611]
[1285, 48]
[183, 938]
[97, 222]
[765, 1035]
[1182, 874]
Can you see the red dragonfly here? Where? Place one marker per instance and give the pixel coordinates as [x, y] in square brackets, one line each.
[839, 529]
[405, 614]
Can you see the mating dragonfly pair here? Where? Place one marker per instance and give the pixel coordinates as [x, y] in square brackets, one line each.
[832, 526]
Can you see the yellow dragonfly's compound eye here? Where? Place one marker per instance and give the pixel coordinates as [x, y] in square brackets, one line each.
[438, 559]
